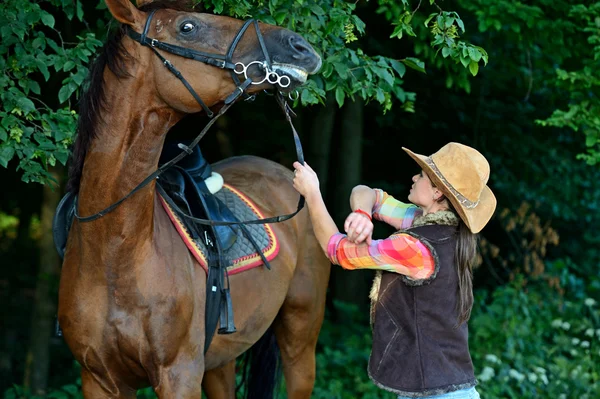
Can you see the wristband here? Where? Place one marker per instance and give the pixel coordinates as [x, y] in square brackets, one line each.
[363, 213]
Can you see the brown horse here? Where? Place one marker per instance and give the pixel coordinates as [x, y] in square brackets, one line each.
[132, 297]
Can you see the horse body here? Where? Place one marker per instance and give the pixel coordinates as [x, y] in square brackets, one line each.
[132, 297]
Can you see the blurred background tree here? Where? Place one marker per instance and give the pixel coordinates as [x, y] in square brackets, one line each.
[518, 81]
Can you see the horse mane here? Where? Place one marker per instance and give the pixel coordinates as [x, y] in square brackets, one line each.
[114, 56]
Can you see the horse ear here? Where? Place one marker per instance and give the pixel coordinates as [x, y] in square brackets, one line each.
[125, 12]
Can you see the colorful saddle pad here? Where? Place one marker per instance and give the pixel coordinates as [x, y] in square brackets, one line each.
[242, 252]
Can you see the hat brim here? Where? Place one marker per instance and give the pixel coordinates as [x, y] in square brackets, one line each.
[475, 218]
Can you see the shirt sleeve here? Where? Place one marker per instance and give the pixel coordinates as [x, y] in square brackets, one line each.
[400, 253]
[393, 212]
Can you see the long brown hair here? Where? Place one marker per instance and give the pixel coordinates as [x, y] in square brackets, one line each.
[464, 258]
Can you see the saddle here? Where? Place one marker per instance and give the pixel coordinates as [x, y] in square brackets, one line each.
[186, 184]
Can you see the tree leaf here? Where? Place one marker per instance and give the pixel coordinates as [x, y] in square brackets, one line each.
[65, 92]
[431, 16]
[280, 17]
[591, 141]
[339, 96]
[68, 66]
[71, 388]
[34, 87]
[446, 52]
[306, 96]
[474, 54]
[380, 95]
[79, 11]
[460, 24]
[448, 22]
[316, 9]
[62, 155]
[341, 69]
[398, 67]
[6, 154]
[26, 105]
[414, 63]
[473, 67]
[43, 69]
[48, 19]
[354, 58]
[397, 32]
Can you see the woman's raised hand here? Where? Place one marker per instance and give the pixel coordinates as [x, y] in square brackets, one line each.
[359, 228]
[306, 181]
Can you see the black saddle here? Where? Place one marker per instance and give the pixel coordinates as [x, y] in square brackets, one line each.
[185, 184]
[61, 224]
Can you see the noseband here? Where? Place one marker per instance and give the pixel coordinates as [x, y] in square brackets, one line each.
[223, 62]
[217, 60]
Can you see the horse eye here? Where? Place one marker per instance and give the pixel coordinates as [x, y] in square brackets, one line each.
[187, 27]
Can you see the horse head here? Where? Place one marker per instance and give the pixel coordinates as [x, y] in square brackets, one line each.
[210, 52]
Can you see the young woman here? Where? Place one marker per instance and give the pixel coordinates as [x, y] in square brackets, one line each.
[422, 297]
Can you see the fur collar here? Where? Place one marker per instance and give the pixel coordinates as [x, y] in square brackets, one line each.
[445, 218]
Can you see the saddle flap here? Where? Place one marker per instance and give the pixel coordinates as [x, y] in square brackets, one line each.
[61, 223]
[195, 197]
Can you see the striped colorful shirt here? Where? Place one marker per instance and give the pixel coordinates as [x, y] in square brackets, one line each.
[399, 253]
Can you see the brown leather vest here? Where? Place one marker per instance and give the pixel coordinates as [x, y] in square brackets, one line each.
[417, 348]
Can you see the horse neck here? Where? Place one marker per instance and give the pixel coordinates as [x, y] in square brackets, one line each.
[129, 139]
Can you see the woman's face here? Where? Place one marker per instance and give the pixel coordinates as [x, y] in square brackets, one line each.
[422, 191]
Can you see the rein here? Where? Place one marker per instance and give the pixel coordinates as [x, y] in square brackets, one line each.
[224, 62]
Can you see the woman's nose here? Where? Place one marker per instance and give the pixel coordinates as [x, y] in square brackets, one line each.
[414, 178]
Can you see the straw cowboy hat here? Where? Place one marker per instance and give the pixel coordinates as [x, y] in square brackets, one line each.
[461, 173]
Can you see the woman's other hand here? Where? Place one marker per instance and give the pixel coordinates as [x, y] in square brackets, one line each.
[306, 181]
[359, 228]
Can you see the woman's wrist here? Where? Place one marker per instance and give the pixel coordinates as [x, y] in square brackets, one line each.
[364, 213]
[363, 198]
[313, 197]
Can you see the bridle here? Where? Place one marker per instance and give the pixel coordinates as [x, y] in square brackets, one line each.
[224, 62]
[217, 60]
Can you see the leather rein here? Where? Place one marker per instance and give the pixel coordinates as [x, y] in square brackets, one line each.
[224, 62]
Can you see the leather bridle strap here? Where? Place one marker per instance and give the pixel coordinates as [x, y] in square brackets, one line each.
[261, 41]
[275, 219]
[218, 60]
[186, 151]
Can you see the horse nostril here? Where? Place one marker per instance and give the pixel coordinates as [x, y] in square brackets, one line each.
[300, 46]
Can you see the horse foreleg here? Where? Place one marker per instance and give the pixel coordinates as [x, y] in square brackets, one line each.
[93, 388]
[220, 383]
[181, 380]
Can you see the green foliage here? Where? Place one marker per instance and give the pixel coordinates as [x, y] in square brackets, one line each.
[529, 342]
[342, 358]
[444, 28]
[583, 86]
[331, 27]
[68, 391]
[32, 132]
[558, 44]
